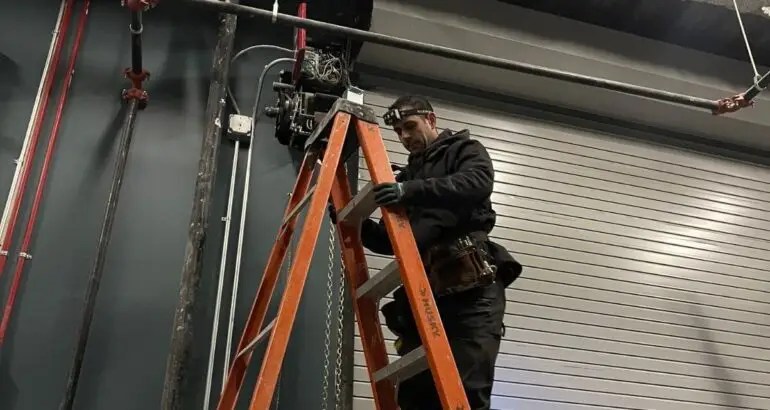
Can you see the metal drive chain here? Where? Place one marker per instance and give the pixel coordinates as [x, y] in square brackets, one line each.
[338, 405]
[328, 324]
[340, 325]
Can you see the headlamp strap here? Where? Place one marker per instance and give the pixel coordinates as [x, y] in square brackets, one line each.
[395, 115]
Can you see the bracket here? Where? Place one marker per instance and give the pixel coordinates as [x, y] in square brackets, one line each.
[137, 92]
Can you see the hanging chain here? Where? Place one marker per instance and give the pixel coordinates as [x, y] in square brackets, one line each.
[328, 324]
[340, 326]
[338, 402]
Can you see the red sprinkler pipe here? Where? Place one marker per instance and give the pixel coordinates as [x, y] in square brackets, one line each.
[300, 42]
[35, 135]
[24, 253]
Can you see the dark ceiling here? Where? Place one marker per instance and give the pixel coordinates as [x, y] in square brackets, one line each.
[706, 25]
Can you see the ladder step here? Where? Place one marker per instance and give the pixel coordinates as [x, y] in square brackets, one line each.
[405, 367]
[260, 337]
[382, 283]
[361, 206]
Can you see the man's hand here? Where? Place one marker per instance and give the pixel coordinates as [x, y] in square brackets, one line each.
[387, 194]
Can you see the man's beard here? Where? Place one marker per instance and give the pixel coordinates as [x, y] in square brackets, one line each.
[418, 145]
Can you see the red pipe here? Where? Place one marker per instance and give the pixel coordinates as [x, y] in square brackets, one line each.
[141, 5]
[300, 42]
[35, 135]
[23, 254]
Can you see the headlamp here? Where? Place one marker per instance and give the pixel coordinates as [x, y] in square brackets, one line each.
[393, 116]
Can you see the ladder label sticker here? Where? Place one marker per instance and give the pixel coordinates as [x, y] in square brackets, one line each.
[429, 313]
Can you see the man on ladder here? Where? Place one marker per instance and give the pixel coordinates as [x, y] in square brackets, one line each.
[472, 299]
[445, 189]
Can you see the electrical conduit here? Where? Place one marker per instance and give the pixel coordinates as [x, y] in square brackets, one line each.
[29, 146]
[244, 207]
[25, 247]
[226, 241]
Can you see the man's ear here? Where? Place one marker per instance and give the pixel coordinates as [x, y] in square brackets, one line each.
[432, 119]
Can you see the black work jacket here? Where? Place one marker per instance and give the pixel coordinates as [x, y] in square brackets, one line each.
[447, 190]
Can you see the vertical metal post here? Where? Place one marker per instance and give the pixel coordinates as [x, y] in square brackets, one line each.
[182, 331]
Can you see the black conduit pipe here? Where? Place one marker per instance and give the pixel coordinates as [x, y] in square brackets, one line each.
[461, 55]
[177, 372]
[95, 276]
[137, 100]
[136, 41]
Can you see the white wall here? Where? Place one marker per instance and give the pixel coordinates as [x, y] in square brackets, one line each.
[493, 28]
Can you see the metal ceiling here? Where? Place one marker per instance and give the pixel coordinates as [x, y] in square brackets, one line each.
[706, 25]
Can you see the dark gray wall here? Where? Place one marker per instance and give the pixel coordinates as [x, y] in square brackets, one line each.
[126, 358]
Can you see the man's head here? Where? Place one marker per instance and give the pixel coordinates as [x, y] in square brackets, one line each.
[414, 122]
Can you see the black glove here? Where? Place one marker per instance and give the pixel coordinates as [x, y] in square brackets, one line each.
[332, 213]
[391, 193]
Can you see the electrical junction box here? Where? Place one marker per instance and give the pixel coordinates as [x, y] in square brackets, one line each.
[239, 128]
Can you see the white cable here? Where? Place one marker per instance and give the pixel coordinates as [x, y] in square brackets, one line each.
[757, 76]
[25, 153]
[226, 242]
[241, 53]
[244, 207]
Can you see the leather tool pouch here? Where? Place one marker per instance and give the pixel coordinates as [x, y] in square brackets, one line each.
[458, 266]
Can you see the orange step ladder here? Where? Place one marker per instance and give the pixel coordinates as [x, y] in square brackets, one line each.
[347, 126]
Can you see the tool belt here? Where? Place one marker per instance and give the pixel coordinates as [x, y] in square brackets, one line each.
[459, 265]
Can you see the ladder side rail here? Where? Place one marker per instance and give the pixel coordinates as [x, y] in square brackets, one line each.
[418, 290]
[234, 382]
[295, 283]
[366, 309]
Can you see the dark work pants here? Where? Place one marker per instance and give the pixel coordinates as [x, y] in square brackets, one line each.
[473, 321]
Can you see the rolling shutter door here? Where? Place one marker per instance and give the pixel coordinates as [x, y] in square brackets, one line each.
[646, 270]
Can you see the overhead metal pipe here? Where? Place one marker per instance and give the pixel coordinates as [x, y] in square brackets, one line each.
[758, 87]
[177, 372]
[461, 55]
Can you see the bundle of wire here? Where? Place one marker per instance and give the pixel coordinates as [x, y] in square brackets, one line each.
[324, 67]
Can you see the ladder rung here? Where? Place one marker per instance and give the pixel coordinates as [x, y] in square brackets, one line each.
[405, 367]
[261, 336]
[361, 206]
[297, 209]
[382, 283]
